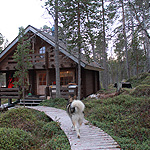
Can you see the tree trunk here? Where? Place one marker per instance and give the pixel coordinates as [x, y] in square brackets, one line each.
[105, 72]
[125, 40]
[79, 54]
[146, 44]
[93, 50]
[133, 46]
[57, 71]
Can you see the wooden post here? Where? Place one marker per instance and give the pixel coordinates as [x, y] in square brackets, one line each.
[84, 82]
[9, 101]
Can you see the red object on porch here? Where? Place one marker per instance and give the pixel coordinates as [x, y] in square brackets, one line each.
[10, 84]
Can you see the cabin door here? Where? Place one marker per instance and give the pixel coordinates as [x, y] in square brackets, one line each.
[41, 83]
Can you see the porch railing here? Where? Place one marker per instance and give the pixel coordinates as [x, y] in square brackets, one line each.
[66, 92]
[9, 93]
[37, 58]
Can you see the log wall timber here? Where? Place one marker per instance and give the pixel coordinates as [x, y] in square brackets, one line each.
[39, 61]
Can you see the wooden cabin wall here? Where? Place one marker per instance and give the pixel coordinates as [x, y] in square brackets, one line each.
[32, 81]
[6, 62]
[97, 82]
[52, 77]
[90, 82]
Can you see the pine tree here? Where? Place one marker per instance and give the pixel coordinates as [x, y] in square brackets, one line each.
[125, 37]
[79, 28]
[141, 14]
[53, 8]
[21, 56]
[58, 94]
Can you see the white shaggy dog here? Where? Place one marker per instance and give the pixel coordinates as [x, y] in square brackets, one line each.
[75, 110]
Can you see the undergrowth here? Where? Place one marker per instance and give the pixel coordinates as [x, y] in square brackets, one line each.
[143, 78]
[56, 102]
[124, 117]
[27, 129]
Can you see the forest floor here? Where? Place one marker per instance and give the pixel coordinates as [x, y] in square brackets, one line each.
[125, 115]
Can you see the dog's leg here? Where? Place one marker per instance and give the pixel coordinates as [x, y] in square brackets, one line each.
[77, 130]
[73, 128]
[73, 125]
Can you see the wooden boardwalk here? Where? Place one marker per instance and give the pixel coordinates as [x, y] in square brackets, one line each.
[92, 138]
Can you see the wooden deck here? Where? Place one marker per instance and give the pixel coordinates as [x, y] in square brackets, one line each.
[92, 138]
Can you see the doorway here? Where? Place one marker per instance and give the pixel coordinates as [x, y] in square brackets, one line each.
[41, 83]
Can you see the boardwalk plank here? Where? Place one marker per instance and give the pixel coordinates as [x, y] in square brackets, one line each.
[92, 138]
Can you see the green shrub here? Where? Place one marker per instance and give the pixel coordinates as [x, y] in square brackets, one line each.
[135, 81]
[50, 129]
[142, 90]
[146, 80]
[40, 115]
[30, 124]
[56, 102]
[58, 142]
[13, 139]
[124, 117]
[22, 118]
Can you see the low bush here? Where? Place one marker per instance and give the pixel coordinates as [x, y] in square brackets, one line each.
[27, 129]
[58, 142]
[56, 102]
[14, 139]
[143, 78]
[142, 90]
[25, 119]
[124, 117]
[146, 80]
[50, 129]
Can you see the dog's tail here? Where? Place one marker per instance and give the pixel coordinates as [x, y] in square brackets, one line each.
[78, 104]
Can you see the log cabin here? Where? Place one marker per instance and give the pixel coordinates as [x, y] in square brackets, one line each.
[42, 74]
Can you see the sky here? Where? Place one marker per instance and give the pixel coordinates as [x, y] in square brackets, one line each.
[17, 13]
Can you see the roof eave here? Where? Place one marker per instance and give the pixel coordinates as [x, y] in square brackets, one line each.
[94, 68]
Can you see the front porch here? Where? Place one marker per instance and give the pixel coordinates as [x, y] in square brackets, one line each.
[34, 100]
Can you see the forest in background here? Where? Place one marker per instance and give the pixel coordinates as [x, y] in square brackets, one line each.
[114, 33]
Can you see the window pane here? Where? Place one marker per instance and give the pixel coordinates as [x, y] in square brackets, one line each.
[42, 79]
[66, 77]
[2, 79]
[42, 50]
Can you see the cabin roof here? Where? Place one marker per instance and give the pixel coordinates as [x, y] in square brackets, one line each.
[62, 48]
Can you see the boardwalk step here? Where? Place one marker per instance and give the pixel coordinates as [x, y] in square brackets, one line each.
[30, 102]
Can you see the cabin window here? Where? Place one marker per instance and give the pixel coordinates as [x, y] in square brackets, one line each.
[2, 79]
[42, 50]
[67, 77]
[42, 79]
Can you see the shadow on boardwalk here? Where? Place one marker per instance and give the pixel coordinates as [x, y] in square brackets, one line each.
[92, 138]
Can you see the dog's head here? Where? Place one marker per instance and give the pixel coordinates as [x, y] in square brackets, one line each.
[71, 98]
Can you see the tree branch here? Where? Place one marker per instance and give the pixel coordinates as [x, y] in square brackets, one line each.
[137, 18]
